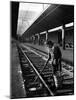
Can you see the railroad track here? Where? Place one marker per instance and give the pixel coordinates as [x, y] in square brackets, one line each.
[31, 65]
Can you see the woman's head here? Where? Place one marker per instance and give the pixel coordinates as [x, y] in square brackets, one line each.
[50, 44]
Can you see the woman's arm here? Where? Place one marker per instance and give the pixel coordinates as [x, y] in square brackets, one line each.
[48, 60]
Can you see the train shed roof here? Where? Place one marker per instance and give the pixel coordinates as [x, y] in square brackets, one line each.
[52, 17]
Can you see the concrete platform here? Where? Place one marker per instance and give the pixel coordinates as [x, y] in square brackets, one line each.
[67, 55]
[17, 86]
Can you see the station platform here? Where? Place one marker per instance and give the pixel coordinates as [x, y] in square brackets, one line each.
[17, 86]
[67, 54]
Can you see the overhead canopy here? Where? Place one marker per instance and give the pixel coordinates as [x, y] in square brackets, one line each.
[54, 16]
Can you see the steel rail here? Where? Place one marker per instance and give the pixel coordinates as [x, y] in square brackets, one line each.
[40, 77]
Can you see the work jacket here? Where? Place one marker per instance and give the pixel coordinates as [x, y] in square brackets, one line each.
[55, 55]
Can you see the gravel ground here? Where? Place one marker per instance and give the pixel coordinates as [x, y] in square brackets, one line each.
[17, 86]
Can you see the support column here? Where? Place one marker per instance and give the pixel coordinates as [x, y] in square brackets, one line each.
[33, 39]
[46, 36]
[63, 37]
[39, 39]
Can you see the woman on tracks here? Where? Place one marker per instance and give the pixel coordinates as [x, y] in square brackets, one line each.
[55, 56]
